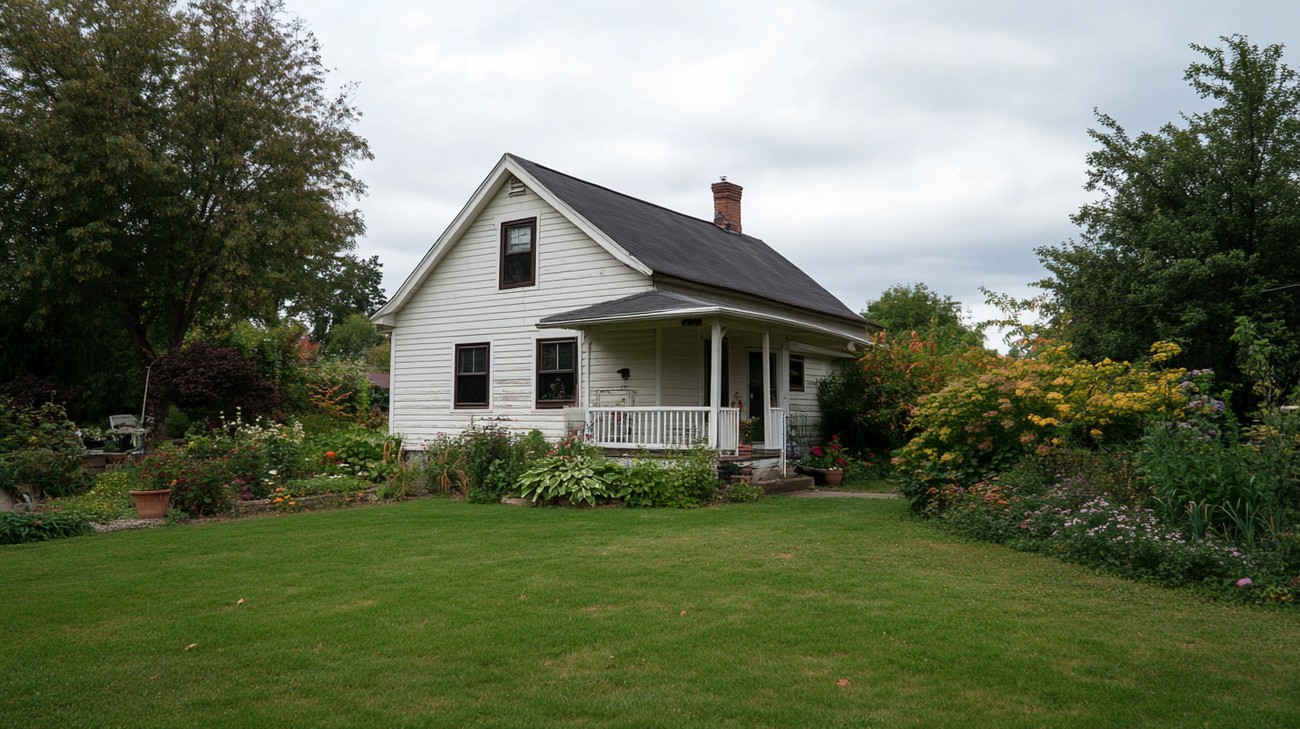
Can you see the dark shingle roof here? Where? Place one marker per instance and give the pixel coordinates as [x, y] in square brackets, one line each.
[649, 302]
[681, 247]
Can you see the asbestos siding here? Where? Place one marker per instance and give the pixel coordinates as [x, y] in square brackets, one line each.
[460, 303]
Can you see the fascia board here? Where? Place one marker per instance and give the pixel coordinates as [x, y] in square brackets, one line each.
[586, 226]
[471, 210]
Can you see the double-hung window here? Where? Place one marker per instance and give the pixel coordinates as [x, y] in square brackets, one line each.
[557, 372]
[519, 253]
[796, 373]
[472, 375]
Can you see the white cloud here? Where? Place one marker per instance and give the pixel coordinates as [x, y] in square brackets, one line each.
[879, 142]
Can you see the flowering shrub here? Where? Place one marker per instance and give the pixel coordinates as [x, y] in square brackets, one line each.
[871, 402]
[1205, 478]
[365, 453]
[495, 458]
[283, 500]
[831, 455]
[337, 483]
[982, 424]
[258, 456]
[200, 487]
[39, 450]
[1072, 522]
[339, 388]
[107, 500]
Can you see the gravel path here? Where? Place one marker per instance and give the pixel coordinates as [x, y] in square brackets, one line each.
[121, 524]
[818, 494]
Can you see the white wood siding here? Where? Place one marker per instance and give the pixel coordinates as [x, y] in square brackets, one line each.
[460, 303]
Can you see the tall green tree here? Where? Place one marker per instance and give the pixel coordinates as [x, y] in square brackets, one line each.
[1195, 224]
[169, 162]
[916, 308]
[869, 402]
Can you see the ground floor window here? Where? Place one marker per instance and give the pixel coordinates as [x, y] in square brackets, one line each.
[557, 373]
[796, 373]
[472, 375]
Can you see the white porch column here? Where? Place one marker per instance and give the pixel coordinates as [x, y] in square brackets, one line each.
[767, 386]
[767, 371]
[585, 372]
[783, 377]
[715, 383]
[659, 365]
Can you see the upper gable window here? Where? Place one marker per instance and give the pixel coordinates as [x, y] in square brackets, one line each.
[519, 253]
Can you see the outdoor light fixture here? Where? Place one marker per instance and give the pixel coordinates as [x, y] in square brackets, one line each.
[625, 373]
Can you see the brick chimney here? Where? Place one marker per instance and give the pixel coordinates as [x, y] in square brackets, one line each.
[726, 205]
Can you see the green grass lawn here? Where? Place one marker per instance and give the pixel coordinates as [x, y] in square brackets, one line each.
[780, 613]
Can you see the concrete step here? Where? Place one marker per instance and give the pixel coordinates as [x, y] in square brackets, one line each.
[787, 484]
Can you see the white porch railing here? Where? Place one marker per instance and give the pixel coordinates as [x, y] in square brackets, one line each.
[660, 428]
[774, 432]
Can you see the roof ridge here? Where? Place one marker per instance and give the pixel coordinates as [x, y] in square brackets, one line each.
[630, 197]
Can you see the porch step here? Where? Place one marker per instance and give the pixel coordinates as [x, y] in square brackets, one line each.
[786, 485]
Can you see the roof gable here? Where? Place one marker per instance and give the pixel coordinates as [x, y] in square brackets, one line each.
[645, 237]
[679, 246]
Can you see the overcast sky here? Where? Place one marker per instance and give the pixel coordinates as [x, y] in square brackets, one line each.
[878, 142]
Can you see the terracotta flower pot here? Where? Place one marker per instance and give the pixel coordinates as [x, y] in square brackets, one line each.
[151, 504]
[834, 477]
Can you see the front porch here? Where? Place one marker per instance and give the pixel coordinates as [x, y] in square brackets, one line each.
[666, 371]
[679, 428]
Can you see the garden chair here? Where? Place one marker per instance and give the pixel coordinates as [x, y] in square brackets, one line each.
[126, 426]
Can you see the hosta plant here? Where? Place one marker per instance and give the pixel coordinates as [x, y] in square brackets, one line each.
[577, 479]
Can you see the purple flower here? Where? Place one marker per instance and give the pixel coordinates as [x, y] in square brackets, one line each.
[1244, 582]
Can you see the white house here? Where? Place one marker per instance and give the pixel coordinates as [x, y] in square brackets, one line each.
[554, 303]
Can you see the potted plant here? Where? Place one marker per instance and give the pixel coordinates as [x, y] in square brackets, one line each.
[747, 429]
[92, 438]
[830, 460]
[156, 475]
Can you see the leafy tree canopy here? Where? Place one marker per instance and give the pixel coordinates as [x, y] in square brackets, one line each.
[170, 162]
[1195, 224]
[915, 308]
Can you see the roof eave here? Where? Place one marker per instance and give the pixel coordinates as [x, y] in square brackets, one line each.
[703, 311]
[386, 315]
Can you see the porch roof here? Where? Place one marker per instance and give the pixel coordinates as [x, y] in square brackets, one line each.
[659, 305]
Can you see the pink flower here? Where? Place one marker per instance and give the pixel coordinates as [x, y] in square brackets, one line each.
[1244, 582]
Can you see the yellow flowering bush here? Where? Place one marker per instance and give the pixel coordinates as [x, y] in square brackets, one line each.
[982, 424]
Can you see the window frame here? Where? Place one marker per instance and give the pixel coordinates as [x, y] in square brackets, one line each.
[538, 373]
[506, 227]
[486, 374]
[803, 372]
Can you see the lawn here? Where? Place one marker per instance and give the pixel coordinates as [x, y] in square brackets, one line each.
[779, 613]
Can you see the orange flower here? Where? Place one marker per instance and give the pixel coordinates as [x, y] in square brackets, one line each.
[330, 455]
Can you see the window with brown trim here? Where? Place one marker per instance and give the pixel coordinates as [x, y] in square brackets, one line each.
[519, 253]
[796, 373]
[557, 373]
[472, 375]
